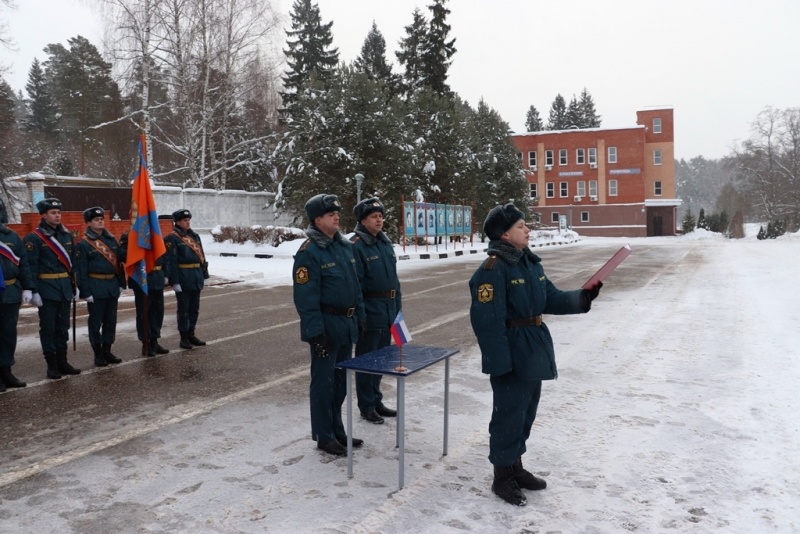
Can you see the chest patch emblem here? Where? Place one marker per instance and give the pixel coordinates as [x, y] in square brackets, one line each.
[485, 293]
[301, 275]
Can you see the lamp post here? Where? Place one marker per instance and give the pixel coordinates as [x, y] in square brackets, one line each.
[359, 179]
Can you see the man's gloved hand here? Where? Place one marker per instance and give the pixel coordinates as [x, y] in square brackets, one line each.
[177, 288]
[27, 295]
[89, 299]
[36, 300]
[319, 344]
[594, 292]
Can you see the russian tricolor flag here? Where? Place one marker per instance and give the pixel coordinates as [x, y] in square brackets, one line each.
[400, 331]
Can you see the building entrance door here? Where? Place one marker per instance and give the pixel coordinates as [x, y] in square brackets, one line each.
[658, 224]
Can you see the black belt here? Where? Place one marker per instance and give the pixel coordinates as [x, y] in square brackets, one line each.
[380, 294]
[536, 320]
[333, 310]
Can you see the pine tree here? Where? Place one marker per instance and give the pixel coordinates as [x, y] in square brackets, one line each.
[574, 117]
[762, 234]
[410, 53]
[372, 60]
[558, 114]
[437, 52]
[701, 220]
[590, 118]
[533, 122]
[43, 115]
[688, 222]
[309, 51]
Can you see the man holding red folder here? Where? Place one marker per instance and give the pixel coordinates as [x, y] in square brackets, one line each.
[510, 292]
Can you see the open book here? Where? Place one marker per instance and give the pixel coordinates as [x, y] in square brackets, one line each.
[609, 266]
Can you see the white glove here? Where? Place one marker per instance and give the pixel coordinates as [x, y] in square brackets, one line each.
[177, 288]
[27, 295]
[36, 300]
[89, 299]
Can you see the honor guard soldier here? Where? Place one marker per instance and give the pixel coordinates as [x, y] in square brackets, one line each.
[154, 299]
[50, 256]
[510, 292]
[99, 274]
[328, 299]
[187, 272]
[16, 284]
[376, 265]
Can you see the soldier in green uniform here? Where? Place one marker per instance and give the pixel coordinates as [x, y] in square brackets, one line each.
[376, 265]
[187, 271]
[17, 285]
[154, 299]
[50, 256]
[510, 292]
[328, 299]
[98, 271]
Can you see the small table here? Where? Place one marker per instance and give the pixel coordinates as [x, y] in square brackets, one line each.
[387, 361]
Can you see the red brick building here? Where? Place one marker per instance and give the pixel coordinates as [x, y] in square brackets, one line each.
[614, 182]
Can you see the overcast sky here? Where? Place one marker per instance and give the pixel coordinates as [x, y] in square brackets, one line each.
[718, 63]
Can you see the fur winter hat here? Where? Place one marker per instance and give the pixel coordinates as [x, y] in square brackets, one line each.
[319, 205]
[91, 213]
[500, 219]
[43, 206]
[367, 207]
[181, 214]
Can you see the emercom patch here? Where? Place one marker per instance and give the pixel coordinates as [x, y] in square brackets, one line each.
[301, 275]
[485, 293]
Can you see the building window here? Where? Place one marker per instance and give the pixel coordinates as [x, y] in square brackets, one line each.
[657, 156]
[554, 217]
[657, 189]
[612, 154]
[548, 158]
[581, 189]
[612, 188]
[592, 188]
[584, 216]
[551, 189]
[532, 159]
[562, 156]
[564, 189]
[592, 156]
[534, 189]
[656, 125]
[580, 156]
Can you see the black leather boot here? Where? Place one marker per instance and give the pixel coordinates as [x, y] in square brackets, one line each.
[156, 348]
[99, 359]
[185, 343]
[110, 358]
[193, 339]
[525, 479]
[52, 365]
[63, 365]
[505, 486]
[9, 380]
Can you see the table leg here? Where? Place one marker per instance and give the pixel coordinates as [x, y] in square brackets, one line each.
[401, 427]
[446, 402]
[349, 424]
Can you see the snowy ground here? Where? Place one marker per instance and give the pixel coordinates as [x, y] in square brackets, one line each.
[674, 411]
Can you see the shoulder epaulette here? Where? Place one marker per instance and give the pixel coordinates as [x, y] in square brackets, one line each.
[489, 263]
[354, 238]
[304, 245]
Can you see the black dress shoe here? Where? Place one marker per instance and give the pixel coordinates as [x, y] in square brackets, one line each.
[385, 412]
[332, 447]
[373, 417]
[357, 442]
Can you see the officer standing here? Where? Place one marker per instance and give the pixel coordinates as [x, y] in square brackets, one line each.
[328, 299]
[510, 292]
[98, 269]
[154, 299]
[376, 265]
[17, 285]
[187, 270]
[50, 255]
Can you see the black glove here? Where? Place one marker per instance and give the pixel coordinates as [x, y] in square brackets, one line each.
[319, 344]
[206, 276]
[594, 292]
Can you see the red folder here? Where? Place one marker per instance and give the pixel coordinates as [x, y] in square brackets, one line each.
[606, 269]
